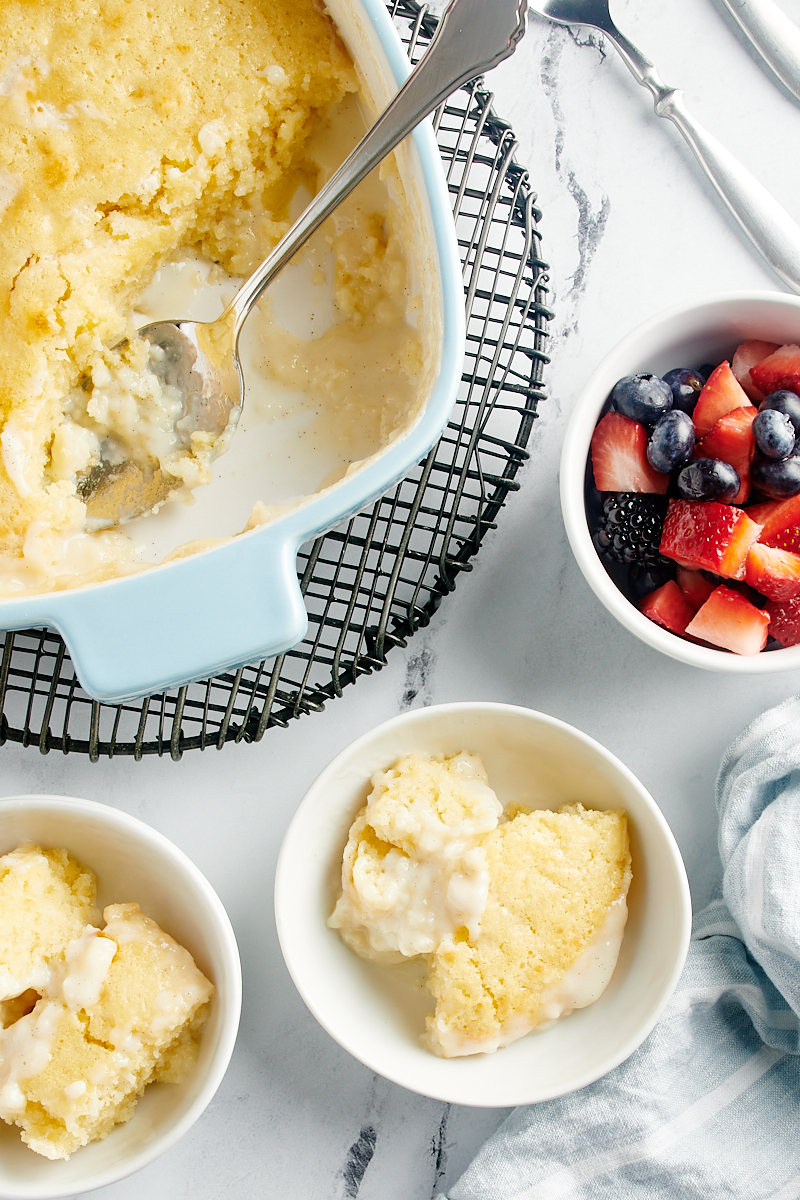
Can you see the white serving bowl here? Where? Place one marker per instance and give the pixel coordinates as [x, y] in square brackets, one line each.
[132, 862]
[376, 1013]
[703, 332]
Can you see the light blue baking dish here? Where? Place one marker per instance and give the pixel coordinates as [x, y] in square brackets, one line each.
[239, 602]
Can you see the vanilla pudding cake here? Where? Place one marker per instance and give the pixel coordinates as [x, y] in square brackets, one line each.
[520, 916]
[89, 1016]
[138, 141]
[46, 899]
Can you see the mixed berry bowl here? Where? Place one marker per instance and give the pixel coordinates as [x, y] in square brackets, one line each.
[680, 483]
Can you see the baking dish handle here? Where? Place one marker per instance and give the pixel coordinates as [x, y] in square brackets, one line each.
[244, 605]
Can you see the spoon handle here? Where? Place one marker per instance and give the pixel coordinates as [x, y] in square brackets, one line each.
[776, 38]
[472, 37]
[769, 227]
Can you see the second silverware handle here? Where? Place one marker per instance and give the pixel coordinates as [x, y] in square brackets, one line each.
[766, 223]
[769, 227]
[776, 38]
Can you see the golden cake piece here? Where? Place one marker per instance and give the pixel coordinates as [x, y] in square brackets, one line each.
[413, 871]
[46, 899]
[109, 1010]
[520, 919]
[549, 936]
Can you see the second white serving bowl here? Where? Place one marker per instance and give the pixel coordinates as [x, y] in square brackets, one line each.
[687, 336]
[131, 862]
[377, 1013]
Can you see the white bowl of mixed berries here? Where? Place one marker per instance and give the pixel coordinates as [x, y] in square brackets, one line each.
[680, 483]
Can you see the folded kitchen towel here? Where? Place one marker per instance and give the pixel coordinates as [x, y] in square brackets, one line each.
[709, 1105]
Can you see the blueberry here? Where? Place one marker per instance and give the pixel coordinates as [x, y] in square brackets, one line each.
[671, 442]
[708, 479]
[686, 385]
[774, 433]
[777, 478]
[643, 398]
[784, 402]
[706, 371]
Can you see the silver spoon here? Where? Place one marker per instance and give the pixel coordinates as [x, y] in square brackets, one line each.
[771, 230]
[201, 358]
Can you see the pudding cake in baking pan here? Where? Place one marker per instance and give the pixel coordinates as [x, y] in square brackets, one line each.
[143, 145]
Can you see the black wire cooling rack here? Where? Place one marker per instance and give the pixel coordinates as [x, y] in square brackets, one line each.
[373, 581]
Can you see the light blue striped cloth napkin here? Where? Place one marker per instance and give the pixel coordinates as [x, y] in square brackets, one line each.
[709, 1106]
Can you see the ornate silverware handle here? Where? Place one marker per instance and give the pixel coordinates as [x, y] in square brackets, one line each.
[472, 37]
[776, 38]
[769, 227]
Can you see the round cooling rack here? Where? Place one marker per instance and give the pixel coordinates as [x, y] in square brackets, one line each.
[373, 581]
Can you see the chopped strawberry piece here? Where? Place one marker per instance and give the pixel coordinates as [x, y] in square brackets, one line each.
[667, 606]
[764, 513]
[785, 539]
[777, 517]
[695, 587]
[778, 371]
[720, 395]
[784, 620]
[706, 535]
[747, 356]
[728, 620]
[772, 572]
[732, 440]
[619, 457]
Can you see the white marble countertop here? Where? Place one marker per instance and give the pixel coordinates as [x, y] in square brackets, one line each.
[630, 226]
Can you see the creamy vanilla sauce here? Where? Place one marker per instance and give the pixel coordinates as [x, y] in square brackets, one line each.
[127, 402]
[414, 901]
[87, 961]
[25, 1050]
[421, 902]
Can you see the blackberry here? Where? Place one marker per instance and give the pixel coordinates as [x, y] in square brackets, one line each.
[629, 529]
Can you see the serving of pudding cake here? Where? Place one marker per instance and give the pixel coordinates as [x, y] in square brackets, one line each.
[519, 916]
[89, 1016]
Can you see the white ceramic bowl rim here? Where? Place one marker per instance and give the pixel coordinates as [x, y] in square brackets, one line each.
[657, 331]
[293, 871]
[219, 930]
